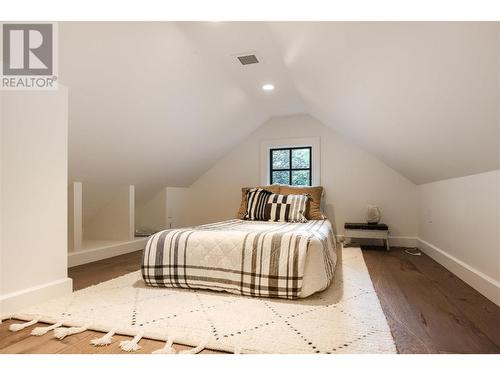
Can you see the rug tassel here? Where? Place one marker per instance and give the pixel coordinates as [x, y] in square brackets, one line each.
[5, 317]
[19, 326]
[167, 349]
[131, 345]
[40, 331]
[104, 340]
[195, 350]
[60, 333]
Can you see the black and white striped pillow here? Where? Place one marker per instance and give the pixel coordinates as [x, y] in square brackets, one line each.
[256, 204]
[290, 208]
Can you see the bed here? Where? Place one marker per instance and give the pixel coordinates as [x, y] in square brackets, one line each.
[253, 258]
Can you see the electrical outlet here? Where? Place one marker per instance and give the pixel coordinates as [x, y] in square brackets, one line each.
[429, 216]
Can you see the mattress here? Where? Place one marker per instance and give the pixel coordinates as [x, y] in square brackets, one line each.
[255, 258]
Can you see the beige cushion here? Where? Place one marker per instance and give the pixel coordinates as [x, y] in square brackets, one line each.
[243, 205]
[313, 211]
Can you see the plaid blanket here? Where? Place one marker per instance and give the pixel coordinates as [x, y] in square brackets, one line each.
[253, 258]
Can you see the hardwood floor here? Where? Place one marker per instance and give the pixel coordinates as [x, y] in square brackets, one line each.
[428, 309]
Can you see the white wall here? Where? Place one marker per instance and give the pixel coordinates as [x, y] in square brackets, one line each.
[459, 226]
[151, 215]
[178, 199]
[166, 209]
[75, 217]
[352, 178]
[115, 220]
[34, 197]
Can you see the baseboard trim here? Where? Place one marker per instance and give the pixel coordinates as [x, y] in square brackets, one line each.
[403, 241]
[397, 241]
[484, 284]
[14, 301]
[104, 252]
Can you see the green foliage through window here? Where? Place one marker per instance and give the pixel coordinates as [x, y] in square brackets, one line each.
[291, 166]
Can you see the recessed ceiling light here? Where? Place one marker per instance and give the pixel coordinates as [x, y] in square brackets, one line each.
[268, 87]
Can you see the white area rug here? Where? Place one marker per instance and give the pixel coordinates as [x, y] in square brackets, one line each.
[346, 318]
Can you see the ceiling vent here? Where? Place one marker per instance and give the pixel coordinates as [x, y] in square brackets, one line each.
[248, 59]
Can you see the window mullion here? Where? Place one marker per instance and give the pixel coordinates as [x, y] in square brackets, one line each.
[290, 170]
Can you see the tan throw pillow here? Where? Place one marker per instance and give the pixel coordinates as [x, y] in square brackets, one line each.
[243, 205]
[313, 211]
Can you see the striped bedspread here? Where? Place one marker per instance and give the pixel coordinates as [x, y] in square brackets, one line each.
[253, 258]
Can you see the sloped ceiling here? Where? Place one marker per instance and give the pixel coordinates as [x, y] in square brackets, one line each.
[423, 97]
[157, 103]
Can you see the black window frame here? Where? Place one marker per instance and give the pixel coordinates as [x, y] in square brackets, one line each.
[290, 169]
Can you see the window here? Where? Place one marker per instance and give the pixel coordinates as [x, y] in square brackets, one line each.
[291, 166]
[266, 160]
